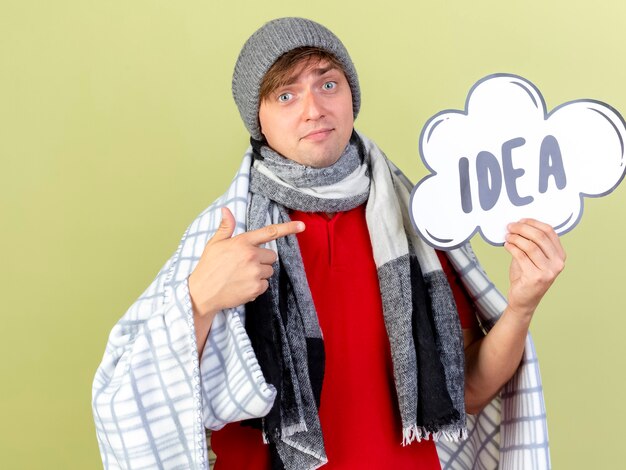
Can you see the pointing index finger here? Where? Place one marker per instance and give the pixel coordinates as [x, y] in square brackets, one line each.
[272, 232]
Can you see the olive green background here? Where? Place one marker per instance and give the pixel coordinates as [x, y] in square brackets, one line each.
[117, 127]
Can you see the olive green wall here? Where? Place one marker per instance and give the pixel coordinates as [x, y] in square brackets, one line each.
[117, 128]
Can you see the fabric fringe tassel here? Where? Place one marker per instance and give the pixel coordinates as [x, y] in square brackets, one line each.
[417, 433]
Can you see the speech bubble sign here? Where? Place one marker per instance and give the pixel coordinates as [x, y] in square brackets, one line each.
[505, 157]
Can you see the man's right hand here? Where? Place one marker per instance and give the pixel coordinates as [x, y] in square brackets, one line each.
[235, 270]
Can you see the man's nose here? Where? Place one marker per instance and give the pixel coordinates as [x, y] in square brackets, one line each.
[312, 106]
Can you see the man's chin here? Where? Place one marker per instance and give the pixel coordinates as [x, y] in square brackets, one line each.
[317, 157]
[322, 161]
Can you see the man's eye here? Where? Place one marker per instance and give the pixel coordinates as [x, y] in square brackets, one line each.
[284, 97]
[329, 85]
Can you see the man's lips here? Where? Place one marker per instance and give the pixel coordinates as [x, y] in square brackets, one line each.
[318, 133]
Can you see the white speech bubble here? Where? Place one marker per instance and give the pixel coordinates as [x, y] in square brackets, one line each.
[505, 158]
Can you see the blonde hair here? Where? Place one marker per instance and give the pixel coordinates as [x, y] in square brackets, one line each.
[282, 70]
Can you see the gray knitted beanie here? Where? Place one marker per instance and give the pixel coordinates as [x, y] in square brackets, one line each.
[266, 45]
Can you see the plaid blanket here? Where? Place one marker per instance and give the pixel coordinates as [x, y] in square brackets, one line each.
[152, 400]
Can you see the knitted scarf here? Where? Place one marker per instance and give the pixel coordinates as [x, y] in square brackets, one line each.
[419, 311]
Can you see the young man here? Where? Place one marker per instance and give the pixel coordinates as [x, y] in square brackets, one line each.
[352, 330]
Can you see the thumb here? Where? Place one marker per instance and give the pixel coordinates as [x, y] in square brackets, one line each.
[227, 226]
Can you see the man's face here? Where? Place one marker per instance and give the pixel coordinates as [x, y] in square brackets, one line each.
[309, 120]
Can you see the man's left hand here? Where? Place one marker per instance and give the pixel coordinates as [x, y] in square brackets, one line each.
[538, 258]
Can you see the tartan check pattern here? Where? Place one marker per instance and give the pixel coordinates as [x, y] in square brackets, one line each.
[153, 401]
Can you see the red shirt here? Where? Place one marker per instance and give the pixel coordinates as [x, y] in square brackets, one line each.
[358, 412]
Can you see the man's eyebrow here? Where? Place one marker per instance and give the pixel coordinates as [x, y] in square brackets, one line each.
[319, 71]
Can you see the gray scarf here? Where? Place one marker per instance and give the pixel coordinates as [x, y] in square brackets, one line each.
[419, 310]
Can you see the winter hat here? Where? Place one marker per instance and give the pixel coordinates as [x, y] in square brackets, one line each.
[266, 45]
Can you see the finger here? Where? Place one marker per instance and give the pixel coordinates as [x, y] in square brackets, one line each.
[272, 232]
[263, 286]
[227, 226]
[547, 229]
[259, 289]
[267, 256]
[519, 255]
[536, 223]
[538, 236]
[266, 271]
[530, 249]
